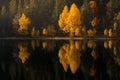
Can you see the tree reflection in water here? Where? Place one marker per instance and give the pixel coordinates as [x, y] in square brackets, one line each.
[69, 55]
[74, 60]
[23, 52]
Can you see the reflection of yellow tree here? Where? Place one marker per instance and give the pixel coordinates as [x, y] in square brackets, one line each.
[91, 44]
[108, 44]
[23, 53]
[93, 54]
[33, 32]
[44, 44]
[69, 55]
[92, 70]
[33, 44]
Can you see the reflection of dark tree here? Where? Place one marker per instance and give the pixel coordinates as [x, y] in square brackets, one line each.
[51, 45]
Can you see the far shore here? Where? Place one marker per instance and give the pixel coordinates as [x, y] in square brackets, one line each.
[56, 38]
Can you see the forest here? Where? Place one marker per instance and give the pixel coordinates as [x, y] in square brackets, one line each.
[63, 18]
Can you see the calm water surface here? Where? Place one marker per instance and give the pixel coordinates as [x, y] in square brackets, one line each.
[60, 60]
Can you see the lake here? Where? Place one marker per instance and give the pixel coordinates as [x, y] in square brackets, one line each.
[89, 59]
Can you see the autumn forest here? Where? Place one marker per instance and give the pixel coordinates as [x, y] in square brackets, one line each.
[60, 18]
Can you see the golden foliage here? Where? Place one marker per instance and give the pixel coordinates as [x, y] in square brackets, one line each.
[38, 33]
[23, 53]
[69, 55]
[106, 32]
[91, 32]
[83, 29]
[105, 44]
[77, 31]
[110, 33]
[73, 20]
[94, 22]
[70, 20]
[33, 32]
[110, 44]
[62, 54]
[23, 22]
[91, 44]
[115, 51]
[92, 4]
[117, 16]
[44, 44]
[93, 54]
[33, 44]
[115, 26]
[44, 32]
[77, 45]
[63, 20]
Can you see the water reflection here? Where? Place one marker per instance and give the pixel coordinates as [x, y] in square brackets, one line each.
[59, 60]
[69, 55]
[23, 52]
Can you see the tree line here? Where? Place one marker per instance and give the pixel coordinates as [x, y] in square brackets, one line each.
[34, 17]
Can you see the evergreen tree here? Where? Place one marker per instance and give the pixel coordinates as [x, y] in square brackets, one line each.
[12, 7]
[3, 10]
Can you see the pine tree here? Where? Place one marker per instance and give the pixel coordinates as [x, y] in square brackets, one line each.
[3, 10]
[12, 7]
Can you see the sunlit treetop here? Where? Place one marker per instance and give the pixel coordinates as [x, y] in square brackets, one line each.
[92, 4]
[63, 19]
[74, 17]
[24, 21]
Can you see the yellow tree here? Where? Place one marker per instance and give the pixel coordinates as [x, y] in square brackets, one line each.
[23, 22]
[33, 32]
[44, 32]
[77, 31]
[69, 21]
[73, 20]
[38, 33]
[63, 20]
[106, 32]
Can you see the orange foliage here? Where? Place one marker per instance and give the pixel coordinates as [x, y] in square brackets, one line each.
[92, 70]
[23, 53]
[23, 22]
[69, 56]
[70, 20]
[94, 21]
[92, 4]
